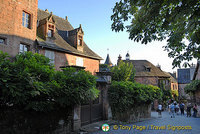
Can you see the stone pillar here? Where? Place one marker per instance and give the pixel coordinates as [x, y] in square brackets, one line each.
[77, 118]
[103, 82]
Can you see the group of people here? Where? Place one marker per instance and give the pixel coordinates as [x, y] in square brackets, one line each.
[174, 108]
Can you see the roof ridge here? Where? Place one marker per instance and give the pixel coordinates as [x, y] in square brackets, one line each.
[55, 16]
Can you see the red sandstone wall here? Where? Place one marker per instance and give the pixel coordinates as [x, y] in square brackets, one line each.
[61, 59]
[11, 24]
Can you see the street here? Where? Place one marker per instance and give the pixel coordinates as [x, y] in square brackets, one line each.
[167, 125]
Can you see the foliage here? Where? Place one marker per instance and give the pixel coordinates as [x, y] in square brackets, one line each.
[104, 67]
[166, 93]
[158, 20]
[124, 95]
[31, 82]
[124, 71]
[192, 87]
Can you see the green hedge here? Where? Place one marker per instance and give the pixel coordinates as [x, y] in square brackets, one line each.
[30, 82]
[193, 86]
[124, 95]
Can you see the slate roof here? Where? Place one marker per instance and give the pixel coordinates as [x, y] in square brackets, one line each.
[61, 42]
[141, 65]
[108, 61]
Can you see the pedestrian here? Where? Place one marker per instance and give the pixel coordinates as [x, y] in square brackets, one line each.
[159, 110]
[172, 109]
[182, 106]
[195, 110]
[189, 106]
[177, 109]
[169, 109]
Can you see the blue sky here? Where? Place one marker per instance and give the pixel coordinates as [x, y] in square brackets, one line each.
[94, 16]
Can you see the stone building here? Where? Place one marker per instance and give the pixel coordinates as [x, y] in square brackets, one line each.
[24, 27]
[147, 73]
[173, 82]
[197, 77]
[185, 75]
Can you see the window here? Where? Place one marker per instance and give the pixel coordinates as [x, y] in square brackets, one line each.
[79, 42]
[2, 41]
[23, 48]
[50, 55]
[79, 61]
[50, 33]
[26, 19]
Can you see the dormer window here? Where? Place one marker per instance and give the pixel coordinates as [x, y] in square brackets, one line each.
[148, 69]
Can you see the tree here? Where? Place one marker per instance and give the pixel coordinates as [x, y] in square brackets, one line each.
[123, 72]
[174, 20]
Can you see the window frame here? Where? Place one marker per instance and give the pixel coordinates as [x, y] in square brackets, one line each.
[50, 28]
[50, 56]
[24, 19]
[24, 45]
[4, 41]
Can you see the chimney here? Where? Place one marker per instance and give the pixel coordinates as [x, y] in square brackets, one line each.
[66, 18]
[158, 66]
[174, 74]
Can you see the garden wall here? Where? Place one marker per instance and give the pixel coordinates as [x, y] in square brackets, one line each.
[135, 114]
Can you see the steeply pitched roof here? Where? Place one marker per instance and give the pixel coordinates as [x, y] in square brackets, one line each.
[61, 42]
[173, 80]
[141, 68]
[108, 61]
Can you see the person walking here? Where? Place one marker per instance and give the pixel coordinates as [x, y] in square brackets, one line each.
[172, 109]
[182, 106]
[176, 109]
[159, 110]
[189, 110]
[195, 111]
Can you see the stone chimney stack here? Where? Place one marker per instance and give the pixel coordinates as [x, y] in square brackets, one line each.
[66, 18]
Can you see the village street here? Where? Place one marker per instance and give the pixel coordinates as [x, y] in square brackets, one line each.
[165, 123]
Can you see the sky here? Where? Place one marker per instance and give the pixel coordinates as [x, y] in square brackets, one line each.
[94, 16]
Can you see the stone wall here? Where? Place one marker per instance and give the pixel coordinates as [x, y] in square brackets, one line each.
[20, 122]
[137, 113]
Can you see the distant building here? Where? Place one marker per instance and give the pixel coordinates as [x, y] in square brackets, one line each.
[173, 82]
[185, 75]
[108, 61]
[147, 73]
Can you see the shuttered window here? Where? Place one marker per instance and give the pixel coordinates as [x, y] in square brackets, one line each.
[79, 61]
[50, 55]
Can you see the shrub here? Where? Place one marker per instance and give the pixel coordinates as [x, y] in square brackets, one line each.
[193, 86]
[124, 95]
[30, 82]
